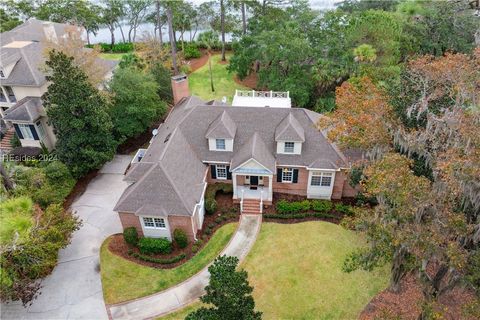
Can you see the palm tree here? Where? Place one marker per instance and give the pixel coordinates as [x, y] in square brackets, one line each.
[208, 39]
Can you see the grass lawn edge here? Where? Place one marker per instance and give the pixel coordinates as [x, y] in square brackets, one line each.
[222, 238]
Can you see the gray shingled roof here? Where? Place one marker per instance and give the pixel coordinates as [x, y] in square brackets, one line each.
[30, 58]
[171, 185]
[289, 130]
[222, 127]
[170, 177]
[28, 109]
[256, 149]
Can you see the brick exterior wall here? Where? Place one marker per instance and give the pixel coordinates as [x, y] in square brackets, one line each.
[180, 90]
[181, 222]
[131, 220]
[299, 188]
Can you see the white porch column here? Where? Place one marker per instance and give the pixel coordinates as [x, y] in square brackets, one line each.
[270, 182]
[234, 181]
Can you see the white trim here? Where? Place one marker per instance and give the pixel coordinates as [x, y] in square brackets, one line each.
[320, 192]
[241, 165]
[290, 170]
[319, 169]
[223, 166]
[215, 162]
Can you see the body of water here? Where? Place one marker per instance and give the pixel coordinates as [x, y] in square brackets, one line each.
[103, 35]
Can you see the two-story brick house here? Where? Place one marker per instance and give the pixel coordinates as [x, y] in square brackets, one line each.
[23, 82]
[259, 148]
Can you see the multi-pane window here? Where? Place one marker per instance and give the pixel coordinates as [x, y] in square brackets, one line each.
[158, 223]
[41, 130]
[26, 131]
[221, 171]
[289, 147]
[321, 179]
[220, 144]
[10, 94]
[287, 175]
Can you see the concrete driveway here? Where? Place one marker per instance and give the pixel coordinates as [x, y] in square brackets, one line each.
[74, 289]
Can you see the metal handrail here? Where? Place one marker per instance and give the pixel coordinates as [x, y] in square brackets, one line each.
[241, 202]
[261, 201]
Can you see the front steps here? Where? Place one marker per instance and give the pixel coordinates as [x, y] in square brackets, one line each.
[251, 206]
[5, 144]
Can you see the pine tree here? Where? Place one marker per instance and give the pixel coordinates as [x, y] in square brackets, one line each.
[78, 113]
[229, 292]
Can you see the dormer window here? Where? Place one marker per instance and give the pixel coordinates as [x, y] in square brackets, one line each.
[220, 144]
[289, 147]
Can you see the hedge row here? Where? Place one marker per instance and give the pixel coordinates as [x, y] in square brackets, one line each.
[210, 203]
[158, 260]
[121, 47]
[299, 215]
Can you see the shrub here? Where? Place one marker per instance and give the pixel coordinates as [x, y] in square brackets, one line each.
[210, 205]
[208, 231]
[191, 51]
[185, 68]
[154, 246]
[299, 215]
[343, 208]
[180, 238]
[121, 47]
[130, 236]
[284, 206]
[211, 225]
[159, 260]
[322, 205]
[218, 220]
[196, 246]
[15, 141]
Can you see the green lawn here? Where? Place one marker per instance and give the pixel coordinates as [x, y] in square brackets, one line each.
[296, 273]
[182, 313]
[111, 56]
[223, 82]
[124, 280]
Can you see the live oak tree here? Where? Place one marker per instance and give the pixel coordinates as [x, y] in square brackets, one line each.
[229, 292]
[78, 113]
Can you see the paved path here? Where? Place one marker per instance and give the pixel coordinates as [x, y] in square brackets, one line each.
[176, 297]
[74, 289]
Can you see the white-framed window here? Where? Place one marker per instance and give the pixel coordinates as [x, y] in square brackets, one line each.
[41, 130]
[289, 147]
[10, 94]
[154, 223]
[287, 175]
[26, 131]
[220, 144]
[221, 171]
[321, 179]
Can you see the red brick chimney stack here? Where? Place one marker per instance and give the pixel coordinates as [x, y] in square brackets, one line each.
[180, 88]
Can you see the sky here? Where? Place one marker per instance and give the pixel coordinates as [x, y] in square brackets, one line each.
[316, 4]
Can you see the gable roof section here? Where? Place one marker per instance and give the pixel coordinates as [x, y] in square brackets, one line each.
[28, 109]
[222, 127]
[289, 130]
[171, 186]
[255, 149]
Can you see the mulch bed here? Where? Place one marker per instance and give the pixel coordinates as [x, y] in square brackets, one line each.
[250, 81]
[118, 246]
[406, 304]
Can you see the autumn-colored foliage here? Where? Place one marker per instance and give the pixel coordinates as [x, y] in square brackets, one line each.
[363, 117]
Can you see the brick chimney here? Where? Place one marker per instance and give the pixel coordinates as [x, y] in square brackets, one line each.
[180, 88]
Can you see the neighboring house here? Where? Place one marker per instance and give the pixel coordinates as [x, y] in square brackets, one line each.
[260, 150]
[22, 81]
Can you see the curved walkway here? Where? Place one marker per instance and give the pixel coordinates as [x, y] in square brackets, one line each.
[191, 289]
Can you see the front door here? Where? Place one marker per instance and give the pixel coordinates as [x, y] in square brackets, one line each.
[254, 180]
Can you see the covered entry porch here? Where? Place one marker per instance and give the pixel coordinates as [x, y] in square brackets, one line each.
[252, 186]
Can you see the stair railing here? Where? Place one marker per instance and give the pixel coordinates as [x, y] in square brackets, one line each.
[261, 201]
[241, 202]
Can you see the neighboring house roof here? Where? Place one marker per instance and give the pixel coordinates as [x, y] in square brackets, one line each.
[289, 129]
[171, 185]
[255, 148]
[222, 127]
[28, 109]
[25, 45]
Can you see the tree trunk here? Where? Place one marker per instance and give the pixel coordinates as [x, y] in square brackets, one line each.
[181, 36]
[172, 40]
[222, 21]
[157, 3]
[195, 33]
[112, 41]
[398, 268]
[121, 31]
[88, 37]
[130, 34]
[244, 18]
[160, 36]
[210, 67]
